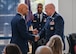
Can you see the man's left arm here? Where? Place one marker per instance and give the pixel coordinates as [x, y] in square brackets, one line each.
[59, 26]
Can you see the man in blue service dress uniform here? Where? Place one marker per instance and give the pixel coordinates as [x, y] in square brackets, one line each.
[54, 24]
[38, 23]
[20, 36]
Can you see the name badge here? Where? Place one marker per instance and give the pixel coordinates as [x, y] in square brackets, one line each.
[52, 23]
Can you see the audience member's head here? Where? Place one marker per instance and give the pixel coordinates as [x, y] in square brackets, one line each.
[12, 49]
[43, 50]
[55, 43]
[23, 9]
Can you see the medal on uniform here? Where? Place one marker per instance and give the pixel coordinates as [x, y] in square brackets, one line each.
[51, 28]
[52, 23]
[45, 20]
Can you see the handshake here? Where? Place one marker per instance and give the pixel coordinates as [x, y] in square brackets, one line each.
[37, 37]
[35, 32]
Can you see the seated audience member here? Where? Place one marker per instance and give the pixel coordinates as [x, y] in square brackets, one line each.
[43, 50]
[75, 49]
[55, 43]
[11, 49]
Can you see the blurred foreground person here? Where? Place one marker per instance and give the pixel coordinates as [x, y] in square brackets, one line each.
[12, 49]
[20, 35]
[43, 50]
[56, 44]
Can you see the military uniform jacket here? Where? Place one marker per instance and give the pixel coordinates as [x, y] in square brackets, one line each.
[54, 26]
[37, 23]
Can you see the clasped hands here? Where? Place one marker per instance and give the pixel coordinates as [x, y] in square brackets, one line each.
[37, 37]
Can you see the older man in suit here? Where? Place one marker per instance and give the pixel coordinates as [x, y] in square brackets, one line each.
[54, 24]
[20, 35]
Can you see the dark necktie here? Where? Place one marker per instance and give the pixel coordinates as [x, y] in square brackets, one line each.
[39, 17]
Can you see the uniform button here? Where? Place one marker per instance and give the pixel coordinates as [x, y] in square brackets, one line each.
[39, 24]
[39, 28]
[51, 28]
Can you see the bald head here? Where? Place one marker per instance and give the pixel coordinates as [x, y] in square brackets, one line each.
[23, 9]
[43, 50]
[50, 9]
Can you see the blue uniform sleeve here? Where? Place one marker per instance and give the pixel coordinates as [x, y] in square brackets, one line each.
[59, 26]
[42, 32]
